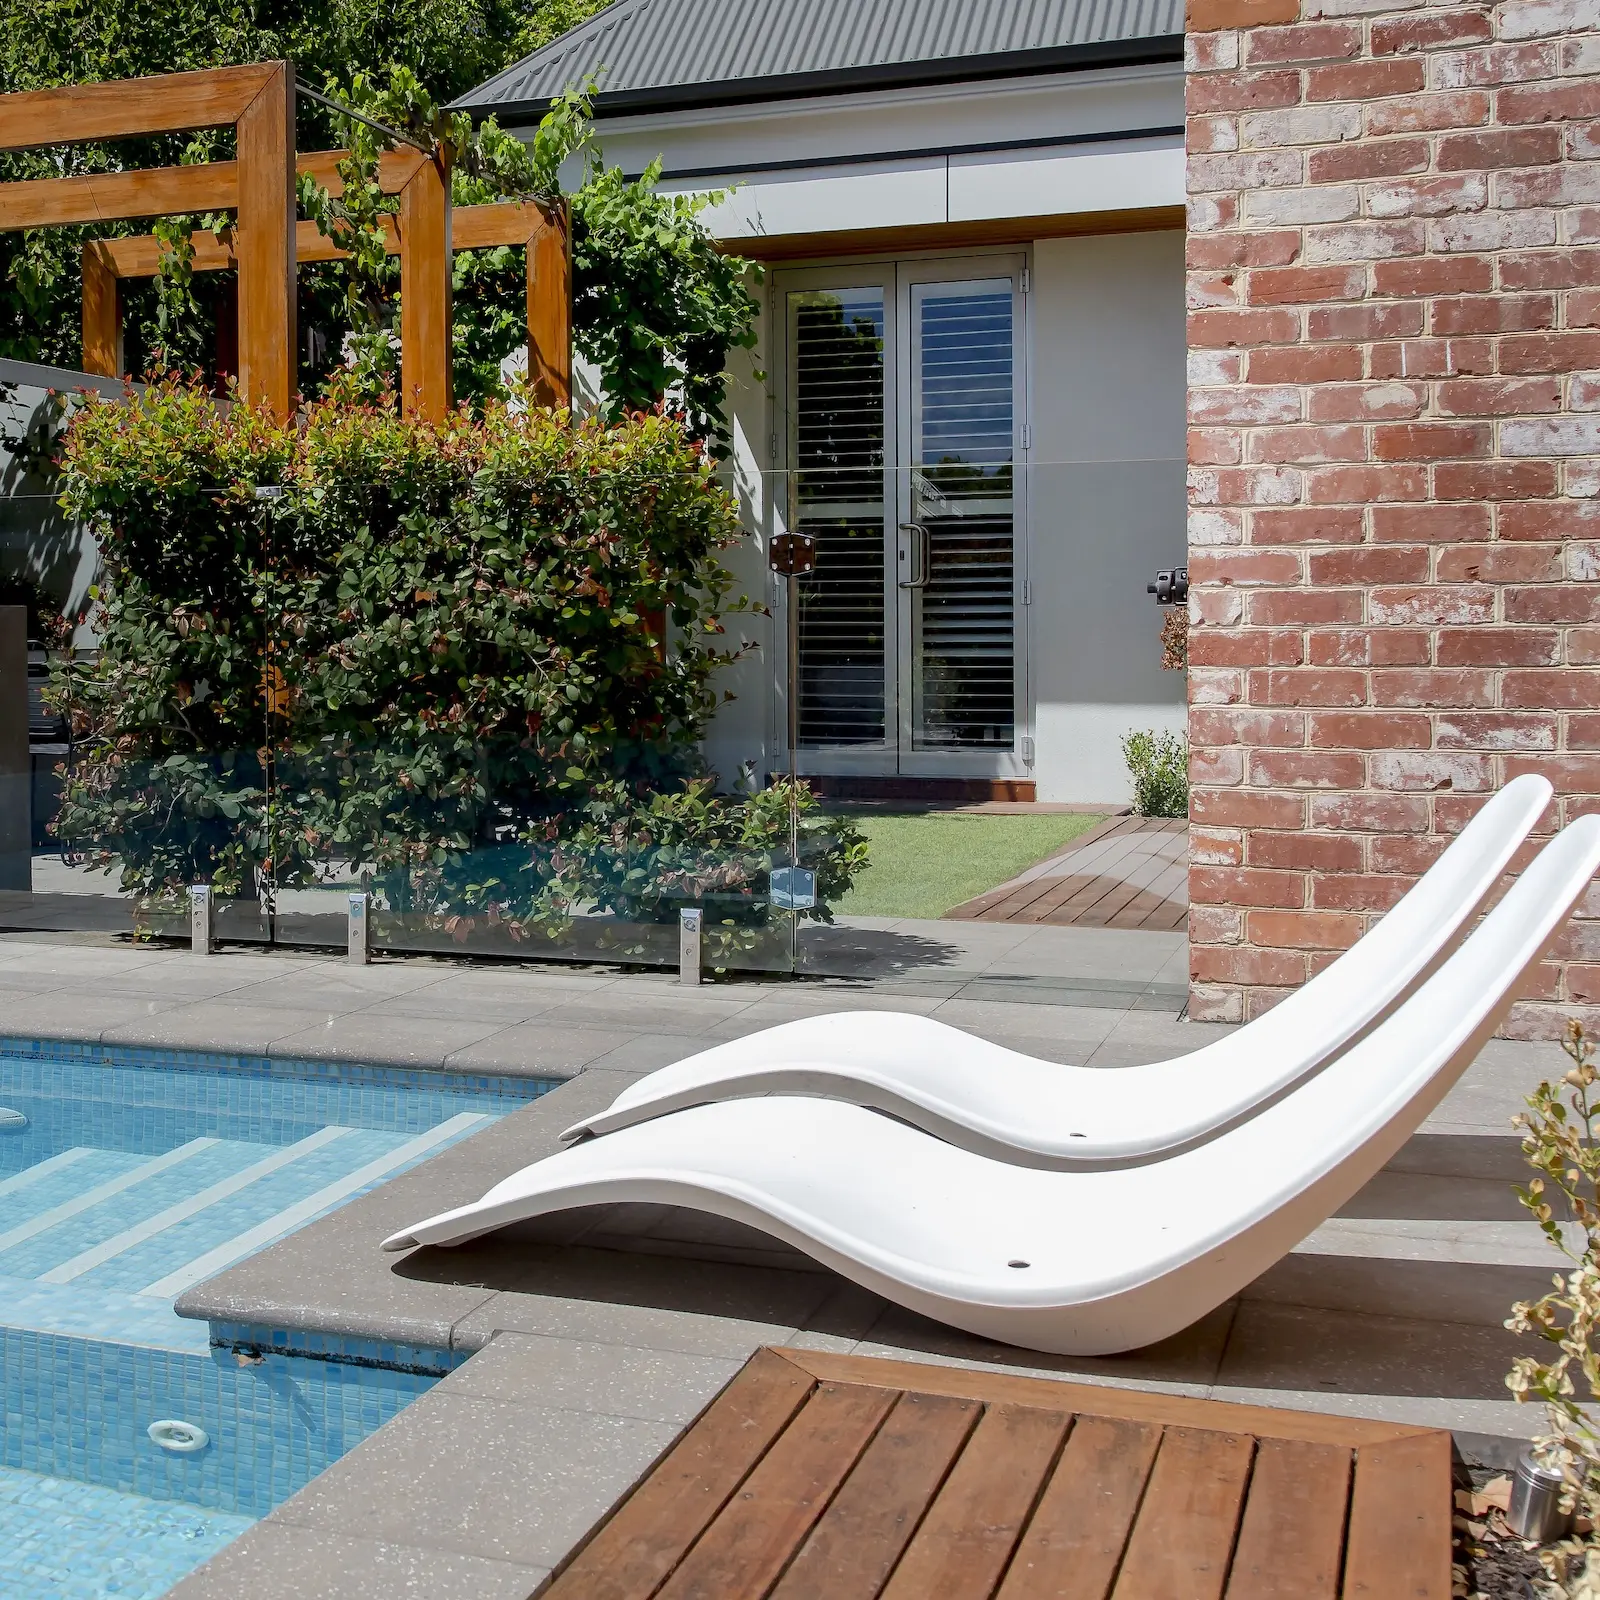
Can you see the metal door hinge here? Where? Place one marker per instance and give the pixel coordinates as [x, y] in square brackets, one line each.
[1027, 436]
[1027, 592]
[1027, 280]
[1027, 749]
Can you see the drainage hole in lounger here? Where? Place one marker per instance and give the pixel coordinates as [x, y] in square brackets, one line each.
[1019, 1263]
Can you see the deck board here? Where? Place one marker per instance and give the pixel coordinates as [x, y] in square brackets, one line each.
[816, 1476]
[1129, 872]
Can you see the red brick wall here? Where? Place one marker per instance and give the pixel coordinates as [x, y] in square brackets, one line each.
[1394, 503]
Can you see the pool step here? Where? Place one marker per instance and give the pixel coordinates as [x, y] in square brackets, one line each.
[152, 1225]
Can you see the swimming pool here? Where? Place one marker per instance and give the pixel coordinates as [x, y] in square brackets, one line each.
[126, 1177]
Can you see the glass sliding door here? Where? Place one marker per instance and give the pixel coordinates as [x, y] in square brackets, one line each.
[838, 414]
[901, 401]
[958, 521]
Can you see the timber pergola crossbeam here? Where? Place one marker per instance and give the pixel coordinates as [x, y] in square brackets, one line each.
[257, 102]
[542, 231]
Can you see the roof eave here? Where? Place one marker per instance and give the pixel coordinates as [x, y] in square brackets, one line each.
[848, 80]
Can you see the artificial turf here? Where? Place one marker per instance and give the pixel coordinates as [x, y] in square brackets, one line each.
[923, 864]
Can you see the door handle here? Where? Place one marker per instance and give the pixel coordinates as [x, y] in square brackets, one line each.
[919, 549]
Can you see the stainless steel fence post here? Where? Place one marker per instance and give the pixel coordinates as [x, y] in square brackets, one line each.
[200, 939]
[690, 919]
[359, 942]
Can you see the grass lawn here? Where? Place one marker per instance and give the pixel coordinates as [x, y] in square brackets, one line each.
[923, 864]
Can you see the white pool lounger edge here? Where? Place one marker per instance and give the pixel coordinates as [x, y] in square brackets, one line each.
[1073, 1262]
[1019, 1108]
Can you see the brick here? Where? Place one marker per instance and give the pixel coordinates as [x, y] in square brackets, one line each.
[1370, 158]
[1560, 102]
[1304, 852]
[1583, 732]
[1365, 241]
[1242, 91]
[1211, 289]
[1369, 647]
[1212, 134]
[1327, 41]
[1242, 808]
[1425, 113]
[1253, 248]
[1246, 486]
[1437, 30]
[1433, 275]
[1358, 892]
[1291, 207]
[1428, 197]
[1569, 774]
[1366, 402]
[1496, 480]
[1569, 184]
[1213, 52]
[1303, 607]
[1215, 447]
[1551, 269]
[1432, 358]
[1305, 285]
[1494, 314]
[1257, 647]
[1500, 563]
[1368, 730]
[1490, 66]
[1307, 525]
[1216, 527]
[1498, 397]
[1359, 485]
[1246, 169]
[1304, 364]
[1214, 767]
[1306, 769]
[1498, 149]
[1209, 1004]
[1550, 436]
[1583, 310]
[1555, 689]
[1267, 729]
[1245, 964]
[1245, 327]
[1369, 564]
[1435, 524]
[1552, 603]
[1431, 441]
[1583, 647]
[1309, 686]
[1437, 605]
[1407, 853]
[1247, 886]
[1308, 445]
[1370, 813]
[1529, 19]
[1245, 407]
[1304, 930]
[1205, 16]
[1215, 687]
[1365, 80]
[1424, 688]
[1359, 324]
[1424, 771]
[1245, 567]
[1557, 519]
[1496, 730]
[1498, 647]
[1496, 231]
[1298, 125]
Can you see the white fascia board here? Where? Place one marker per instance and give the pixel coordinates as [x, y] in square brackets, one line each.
[890, 194]
[899, 122]
[1063, 181]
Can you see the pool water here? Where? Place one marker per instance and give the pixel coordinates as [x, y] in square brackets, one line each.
[122, 1184]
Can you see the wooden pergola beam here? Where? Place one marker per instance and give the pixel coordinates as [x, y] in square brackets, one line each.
[173, 103]
[117, 196]
[543, 232]
[102, 310]
[423, 229]
[265, 245]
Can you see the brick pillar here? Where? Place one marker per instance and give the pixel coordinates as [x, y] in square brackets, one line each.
[1394, 492]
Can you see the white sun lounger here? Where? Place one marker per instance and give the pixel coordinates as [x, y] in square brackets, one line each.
[1018, 1108]
[1081, 1263]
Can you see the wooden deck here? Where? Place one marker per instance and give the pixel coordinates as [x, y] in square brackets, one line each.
[1130, 872]
[828, 1477]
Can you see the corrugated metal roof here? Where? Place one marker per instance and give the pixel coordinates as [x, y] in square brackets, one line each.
[697, 52]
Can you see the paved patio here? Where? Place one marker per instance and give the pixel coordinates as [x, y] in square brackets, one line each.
[600, 1334]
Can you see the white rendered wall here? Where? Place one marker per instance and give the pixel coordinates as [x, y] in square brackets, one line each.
[1106, 480]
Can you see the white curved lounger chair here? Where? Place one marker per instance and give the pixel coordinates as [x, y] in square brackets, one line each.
[1081, 1263]
[1000, 1102]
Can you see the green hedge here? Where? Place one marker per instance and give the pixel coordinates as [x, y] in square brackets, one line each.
[472, 659]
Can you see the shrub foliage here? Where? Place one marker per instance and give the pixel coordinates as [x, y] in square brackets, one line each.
[440, 655]
[1158, 763]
